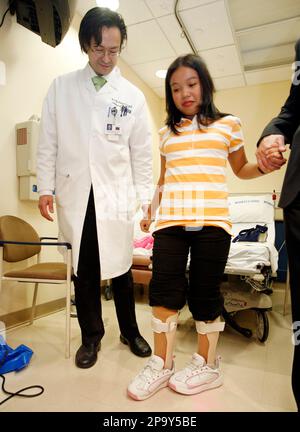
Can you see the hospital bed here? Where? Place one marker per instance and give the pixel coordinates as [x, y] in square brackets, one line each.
[250, 269]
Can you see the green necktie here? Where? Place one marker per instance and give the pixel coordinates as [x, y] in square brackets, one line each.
[98, 82]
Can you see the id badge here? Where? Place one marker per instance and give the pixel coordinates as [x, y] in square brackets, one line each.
[112, 129]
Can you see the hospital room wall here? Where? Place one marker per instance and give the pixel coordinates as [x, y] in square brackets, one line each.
[30, 67]
[255, 105]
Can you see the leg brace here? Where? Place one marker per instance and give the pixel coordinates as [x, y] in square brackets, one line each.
[169, 328]
[211, 330]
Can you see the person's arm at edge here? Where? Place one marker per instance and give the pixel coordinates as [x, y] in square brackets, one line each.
[281, 129]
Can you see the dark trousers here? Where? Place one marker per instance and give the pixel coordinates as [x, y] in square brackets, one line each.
[88, 289]
[169, 286]
[292, 235]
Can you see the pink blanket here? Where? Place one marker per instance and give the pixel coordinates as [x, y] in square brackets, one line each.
[145, 242]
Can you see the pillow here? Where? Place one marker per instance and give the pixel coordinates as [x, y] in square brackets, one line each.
[251, 208]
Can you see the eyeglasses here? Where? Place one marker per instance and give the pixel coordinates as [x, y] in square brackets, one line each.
[100, 52]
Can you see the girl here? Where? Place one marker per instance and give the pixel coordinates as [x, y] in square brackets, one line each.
[193, 219]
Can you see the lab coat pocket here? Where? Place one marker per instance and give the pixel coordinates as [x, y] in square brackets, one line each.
[62, 190]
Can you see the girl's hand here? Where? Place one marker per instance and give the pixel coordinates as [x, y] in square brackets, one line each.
[145, 225]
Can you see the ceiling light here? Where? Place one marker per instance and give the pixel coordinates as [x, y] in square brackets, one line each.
[161, 73]
[110, 4]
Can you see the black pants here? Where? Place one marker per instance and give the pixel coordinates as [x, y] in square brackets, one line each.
[292, 235]
[88, 289]
[169, 286]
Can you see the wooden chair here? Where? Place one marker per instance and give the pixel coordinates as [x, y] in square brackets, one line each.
[19, 241]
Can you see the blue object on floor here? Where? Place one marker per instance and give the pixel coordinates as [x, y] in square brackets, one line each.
[13, 359]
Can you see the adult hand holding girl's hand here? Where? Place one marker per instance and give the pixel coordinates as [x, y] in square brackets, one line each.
[269, 153]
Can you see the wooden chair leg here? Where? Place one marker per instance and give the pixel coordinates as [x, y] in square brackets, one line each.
[36, 286]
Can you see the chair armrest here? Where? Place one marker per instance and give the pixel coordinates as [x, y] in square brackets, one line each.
[67, 245]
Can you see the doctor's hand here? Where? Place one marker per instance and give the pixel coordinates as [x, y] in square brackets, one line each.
[46, 206]
[269, 153]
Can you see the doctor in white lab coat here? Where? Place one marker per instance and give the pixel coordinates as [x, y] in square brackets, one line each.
[94, 153]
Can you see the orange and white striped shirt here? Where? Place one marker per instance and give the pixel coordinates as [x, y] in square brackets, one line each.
[195, 187]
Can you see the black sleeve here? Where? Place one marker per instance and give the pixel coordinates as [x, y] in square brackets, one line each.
[288, 119]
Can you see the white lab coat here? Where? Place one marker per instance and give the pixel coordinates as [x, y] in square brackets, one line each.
[74, 152]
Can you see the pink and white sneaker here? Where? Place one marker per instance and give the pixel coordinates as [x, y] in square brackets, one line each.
[196, 377]
[152, 378]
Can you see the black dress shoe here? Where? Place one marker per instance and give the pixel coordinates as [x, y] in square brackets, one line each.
[86, 355]
[137, 345]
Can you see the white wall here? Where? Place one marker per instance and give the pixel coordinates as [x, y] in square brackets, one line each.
[31, 65]
[156, 112]
[256, 106]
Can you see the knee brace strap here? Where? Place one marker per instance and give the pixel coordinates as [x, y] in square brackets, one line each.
[203, 327]
[159, 326]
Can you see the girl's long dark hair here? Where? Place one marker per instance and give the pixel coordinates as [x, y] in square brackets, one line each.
[208, 112]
